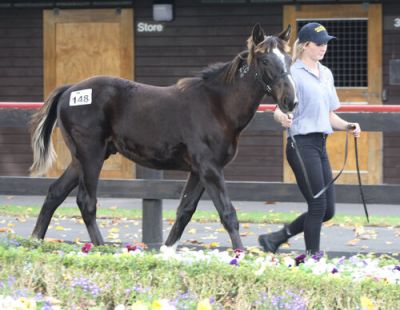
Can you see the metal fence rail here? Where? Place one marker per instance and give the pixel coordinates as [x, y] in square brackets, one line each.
[238, 190]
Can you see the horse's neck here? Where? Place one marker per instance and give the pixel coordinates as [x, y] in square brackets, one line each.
[243, 100]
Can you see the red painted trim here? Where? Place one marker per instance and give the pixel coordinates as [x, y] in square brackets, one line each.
[20, 105]
[347, 108]
[266, 107]
[261, 108]
[369, 108]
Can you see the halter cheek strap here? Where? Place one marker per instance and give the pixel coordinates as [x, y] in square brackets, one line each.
[267, 85]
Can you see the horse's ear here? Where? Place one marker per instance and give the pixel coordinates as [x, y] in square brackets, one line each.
[285, 34]
[257, 34]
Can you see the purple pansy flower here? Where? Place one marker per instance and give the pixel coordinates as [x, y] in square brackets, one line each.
[86, 247]
[300, 259]
[234, 262]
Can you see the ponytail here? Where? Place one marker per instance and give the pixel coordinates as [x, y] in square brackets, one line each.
[298, 49]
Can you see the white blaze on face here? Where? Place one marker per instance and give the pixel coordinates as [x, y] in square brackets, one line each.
[294, 87]
[281, 57]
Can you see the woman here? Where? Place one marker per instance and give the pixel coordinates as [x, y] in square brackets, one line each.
[313, 120]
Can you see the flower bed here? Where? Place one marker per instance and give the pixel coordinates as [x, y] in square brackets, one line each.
[45, 275]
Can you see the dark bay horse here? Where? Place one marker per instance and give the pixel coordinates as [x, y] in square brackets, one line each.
[192, 126]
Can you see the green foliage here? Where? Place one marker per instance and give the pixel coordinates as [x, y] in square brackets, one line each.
[106, 277]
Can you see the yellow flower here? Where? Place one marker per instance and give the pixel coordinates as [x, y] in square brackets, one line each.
[366, 303]
[26, 304]
[204, 304]
[156, 305]
[160, 304]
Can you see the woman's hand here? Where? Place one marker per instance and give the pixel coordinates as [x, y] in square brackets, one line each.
[285, 120]
[339, 123]
[355, 129]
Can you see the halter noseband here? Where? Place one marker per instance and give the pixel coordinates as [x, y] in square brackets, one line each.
[267, 85]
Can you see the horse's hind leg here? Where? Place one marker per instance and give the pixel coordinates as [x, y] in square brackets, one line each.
[190, 198]
[86, 198]
[57, 193]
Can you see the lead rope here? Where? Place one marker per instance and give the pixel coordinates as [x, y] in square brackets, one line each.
[323, 190]
[359, 180]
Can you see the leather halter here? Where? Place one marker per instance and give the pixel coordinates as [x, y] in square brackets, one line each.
[267, 85]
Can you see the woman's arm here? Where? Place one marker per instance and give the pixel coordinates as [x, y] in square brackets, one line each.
[339, 123]
[282, 118]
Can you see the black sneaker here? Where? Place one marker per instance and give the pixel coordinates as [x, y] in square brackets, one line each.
[272, 241]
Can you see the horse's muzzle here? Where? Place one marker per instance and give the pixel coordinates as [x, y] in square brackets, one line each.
[289, 104]
[292, 105]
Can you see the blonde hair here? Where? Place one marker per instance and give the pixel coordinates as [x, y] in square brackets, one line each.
[298, 49]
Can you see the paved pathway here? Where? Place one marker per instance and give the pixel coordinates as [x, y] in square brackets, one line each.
[335, 240]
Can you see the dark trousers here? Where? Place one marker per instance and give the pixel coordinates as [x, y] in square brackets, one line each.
[312, 148]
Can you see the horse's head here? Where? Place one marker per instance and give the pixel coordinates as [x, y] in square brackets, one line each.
[271, 61]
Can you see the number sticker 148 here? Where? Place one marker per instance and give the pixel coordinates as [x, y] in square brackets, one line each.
[81, 97]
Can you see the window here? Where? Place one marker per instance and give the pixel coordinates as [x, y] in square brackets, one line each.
[347, 56]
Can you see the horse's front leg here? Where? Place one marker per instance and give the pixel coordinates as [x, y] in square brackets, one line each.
[213, 180]
[189, 200]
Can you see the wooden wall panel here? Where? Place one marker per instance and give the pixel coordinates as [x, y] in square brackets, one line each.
[391, 141]
[21, 56]
[15, 151]
[21, 79]
[259, 159]
[204, 34]
[199, 35]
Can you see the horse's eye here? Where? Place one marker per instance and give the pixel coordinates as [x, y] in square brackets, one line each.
[265, 62]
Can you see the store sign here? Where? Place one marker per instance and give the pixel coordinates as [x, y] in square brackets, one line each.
[391, 22]
[149, 27]
[396, 22]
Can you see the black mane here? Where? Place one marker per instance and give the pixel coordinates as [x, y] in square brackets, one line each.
[222, 71]
[213, 71]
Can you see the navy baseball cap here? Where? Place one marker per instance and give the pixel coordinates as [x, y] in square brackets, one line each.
[314, 32]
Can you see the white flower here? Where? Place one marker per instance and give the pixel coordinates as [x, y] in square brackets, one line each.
[289, 261]
[167, 251]
[7, 302]
[162, 304]
[357, 268]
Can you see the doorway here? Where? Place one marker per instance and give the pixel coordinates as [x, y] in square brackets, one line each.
[359, 88]
[79, 44]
